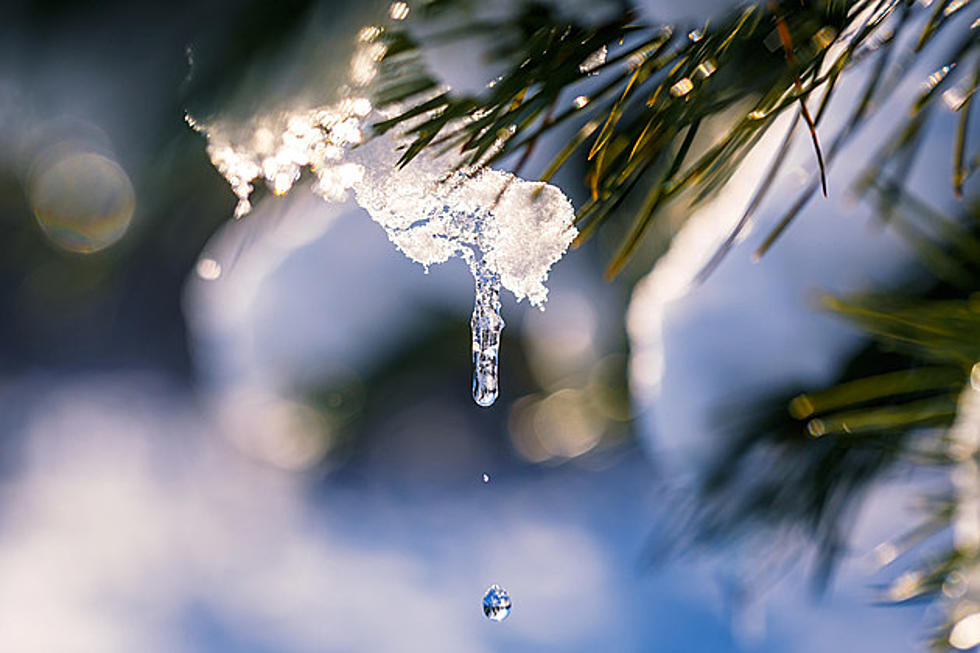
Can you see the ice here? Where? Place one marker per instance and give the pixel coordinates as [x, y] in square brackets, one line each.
[508, 231]
[486, 326]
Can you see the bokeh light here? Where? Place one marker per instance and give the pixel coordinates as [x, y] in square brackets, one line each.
[966, 632]
[561, 339]
[208, 269]
[559, 426]
[287, 434]
[83, 201]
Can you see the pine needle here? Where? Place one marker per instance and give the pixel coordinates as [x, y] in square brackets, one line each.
[959, 149]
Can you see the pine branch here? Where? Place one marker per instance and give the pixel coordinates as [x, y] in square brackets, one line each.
[657, 88]
[638, 132]
[898, 402]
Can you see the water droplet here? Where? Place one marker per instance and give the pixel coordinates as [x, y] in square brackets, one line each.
[580, 101]
[682, 87]
[695, 35]
[938, 76]
[816, 427]
[398, 10]
[486, 477]
[707, 68]
[486, 326]
[953, 7]
[369, 33]
[496, 603]
[282, 182]
[955, 98]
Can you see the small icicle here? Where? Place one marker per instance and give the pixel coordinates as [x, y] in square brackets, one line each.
[486, 325]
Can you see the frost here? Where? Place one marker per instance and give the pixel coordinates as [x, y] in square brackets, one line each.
[509, 231]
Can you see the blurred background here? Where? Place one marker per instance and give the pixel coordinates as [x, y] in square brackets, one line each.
[258, 435]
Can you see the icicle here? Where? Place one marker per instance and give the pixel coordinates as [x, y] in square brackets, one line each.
[486, 326]
[508, 230]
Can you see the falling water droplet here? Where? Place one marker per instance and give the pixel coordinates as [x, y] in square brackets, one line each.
[496, 603]
[486, 477]
[486, 325]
